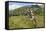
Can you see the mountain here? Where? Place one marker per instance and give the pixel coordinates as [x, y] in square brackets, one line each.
[22, 10]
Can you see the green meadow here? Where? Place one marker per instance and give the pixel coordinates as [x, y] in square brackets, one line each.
[23, 22]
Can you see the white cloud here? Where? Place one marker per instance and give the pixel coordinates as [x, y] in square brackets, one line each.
[13, 6]
[37, 4]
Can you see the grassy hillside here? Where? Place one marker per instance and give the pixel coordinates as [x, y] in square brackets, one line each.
[20, 11]
[18, 18]
[23, 22]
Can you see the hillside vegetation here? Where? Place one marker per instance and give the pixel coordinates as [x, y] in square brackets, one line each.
[18, 17]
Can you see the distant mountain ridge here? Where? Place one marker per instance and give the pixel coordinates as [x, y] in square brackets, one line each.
[23, 9]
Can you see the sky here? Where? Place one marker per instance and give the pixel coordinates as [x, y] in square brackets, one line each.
[14, 5]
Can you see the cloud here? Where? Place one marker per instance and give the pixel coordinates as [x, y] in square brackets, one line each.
[14, 5]
[11, 7]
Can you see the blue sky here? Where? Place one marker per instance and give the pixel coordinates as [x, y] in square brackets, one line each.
[14, 5]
